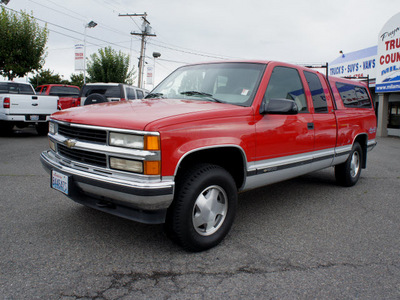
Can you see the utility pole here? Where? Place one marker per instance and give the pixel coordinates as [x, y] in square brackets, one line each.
[145, 32]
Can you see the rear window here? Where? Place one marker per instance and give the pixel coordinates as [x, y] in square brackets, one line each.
[3, 88]
[64, 91]
[108, 91]
[353, 95]
[15, 88]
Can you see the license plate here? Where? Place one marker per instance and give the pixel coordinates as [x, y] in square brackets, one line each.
[34, 118]
[59, 182]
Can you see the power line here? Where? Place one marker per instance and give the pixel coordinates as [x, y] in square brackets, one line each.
[71, 30]
[191, 51]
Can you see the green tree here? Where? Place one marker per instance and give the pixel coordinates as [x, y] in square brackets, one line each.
[76, 79]
[22, 44]
[109, 66]
[46, 77]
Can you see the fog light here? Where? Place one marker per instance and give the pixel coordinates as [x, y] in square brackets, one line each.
[126, 165]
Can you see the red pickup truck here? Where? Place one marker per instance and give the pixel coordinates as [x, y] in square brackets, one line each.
[68, 95]
[207, 132]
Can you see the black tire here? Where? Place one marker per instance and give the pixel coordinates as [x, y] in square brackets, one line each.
[187, 217]
[42, 128]
[348, 173]
[95, 98]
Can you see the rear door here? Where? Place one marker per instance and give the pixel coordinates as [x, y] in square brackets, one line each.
[324, 120]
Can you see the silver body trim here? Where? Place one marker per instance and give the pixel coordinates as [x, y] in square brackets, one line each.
[274, 170]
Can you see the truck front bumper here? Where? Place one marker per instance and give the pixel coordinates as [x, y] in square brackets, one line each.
[141, 201]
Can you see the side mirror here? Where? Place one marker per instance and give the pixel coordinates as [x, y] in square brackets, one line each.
[279, 106]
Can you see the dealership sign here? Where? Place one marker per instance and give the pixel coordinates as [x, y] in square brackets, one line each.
[361, 63]
[388, 59]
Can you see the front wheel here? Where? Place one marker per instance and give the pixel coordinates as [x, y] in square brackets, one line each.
[348, 173]
[203, 209]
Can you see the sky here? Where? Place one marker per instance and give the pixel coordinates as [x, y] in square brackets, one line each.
[187, 31]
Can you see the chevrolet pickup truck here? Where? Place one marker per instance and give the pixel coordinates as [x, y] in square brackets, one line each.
[21, 107]
[68, 95]
[205, 133]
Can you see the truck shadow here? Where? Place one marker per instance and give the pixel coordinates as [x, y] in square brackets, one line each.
[29, 131]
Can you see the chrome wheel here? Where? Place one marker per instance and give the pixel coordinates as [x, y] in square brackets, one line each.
[209, 210]
[354, 164]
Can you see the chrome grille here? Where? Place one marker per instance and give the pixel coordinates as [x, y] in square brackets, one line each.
[83, 134]
[91, 158]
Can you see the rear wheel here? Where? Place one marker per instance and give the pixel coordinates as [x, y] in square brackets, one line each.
[348, 173]
[204, 208]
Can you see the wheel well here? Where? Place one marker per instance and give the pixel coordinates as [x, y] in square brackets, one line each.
[362, 139]
[229, 158]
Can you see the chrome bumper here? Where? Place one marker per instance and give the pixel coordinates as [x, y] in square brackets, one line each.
[141, 201]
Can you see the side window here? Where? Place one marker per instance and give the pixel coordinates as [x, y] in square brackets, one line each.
[353, 96]
[140, 94]
[130, 93]
[317, 92]
[286, 83]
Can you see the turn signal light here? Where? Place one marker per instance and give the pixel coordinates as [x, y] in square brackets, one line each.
[152, 142]
[152, 167]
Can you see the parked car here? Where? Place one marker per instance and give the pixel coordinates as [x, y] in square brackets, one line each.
[93, 93]
[205, 133]
[21, 107]
[68, 94]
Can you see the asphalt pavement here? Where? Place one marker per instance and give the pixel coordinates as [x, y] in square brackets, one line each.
[306, 238]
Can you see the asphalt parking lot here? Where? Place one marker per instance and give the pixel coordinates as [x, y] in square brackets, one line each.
[301, 239]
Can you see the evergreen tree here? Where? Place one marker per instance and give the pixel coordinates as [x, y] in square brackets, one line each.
[109, 66]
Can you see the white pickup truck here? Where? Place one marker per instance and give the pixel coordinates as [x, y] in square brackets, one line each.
[21, 107]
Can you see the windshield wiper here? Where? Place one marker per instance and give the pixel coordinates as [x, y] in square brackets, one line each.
[201, 94]
[154, 95]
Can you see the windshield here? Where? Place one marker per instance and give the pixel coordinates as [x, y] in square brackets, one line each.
[234, 83]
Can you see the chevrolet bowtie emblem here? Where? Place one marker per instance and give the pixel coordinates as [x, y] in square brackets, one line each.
[69, 143]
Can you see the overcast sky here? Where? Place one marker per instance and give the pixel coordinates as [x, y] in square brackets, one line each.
[296, 31]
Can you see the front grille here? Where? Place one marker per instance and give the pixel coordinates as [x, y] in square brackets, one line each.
[91, 158]
[83, 134]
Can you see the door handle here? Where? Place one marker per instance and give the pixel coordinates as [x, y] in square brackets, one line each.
[310, 126]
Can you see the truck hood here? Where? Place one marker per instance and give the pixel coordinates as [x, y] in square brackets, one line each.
[147, 114]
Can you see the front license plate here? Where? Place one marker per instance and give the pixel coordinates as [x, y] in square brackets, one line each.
[59, 182]
[34, 117]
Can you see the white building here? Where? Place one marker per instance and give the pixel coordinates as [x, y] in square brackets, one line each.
[380, 65]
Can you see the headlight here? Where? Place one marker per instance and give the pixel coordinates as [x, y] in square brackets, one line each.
[126, 140]
[146, 142]
[52, 128]
[126, 165]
